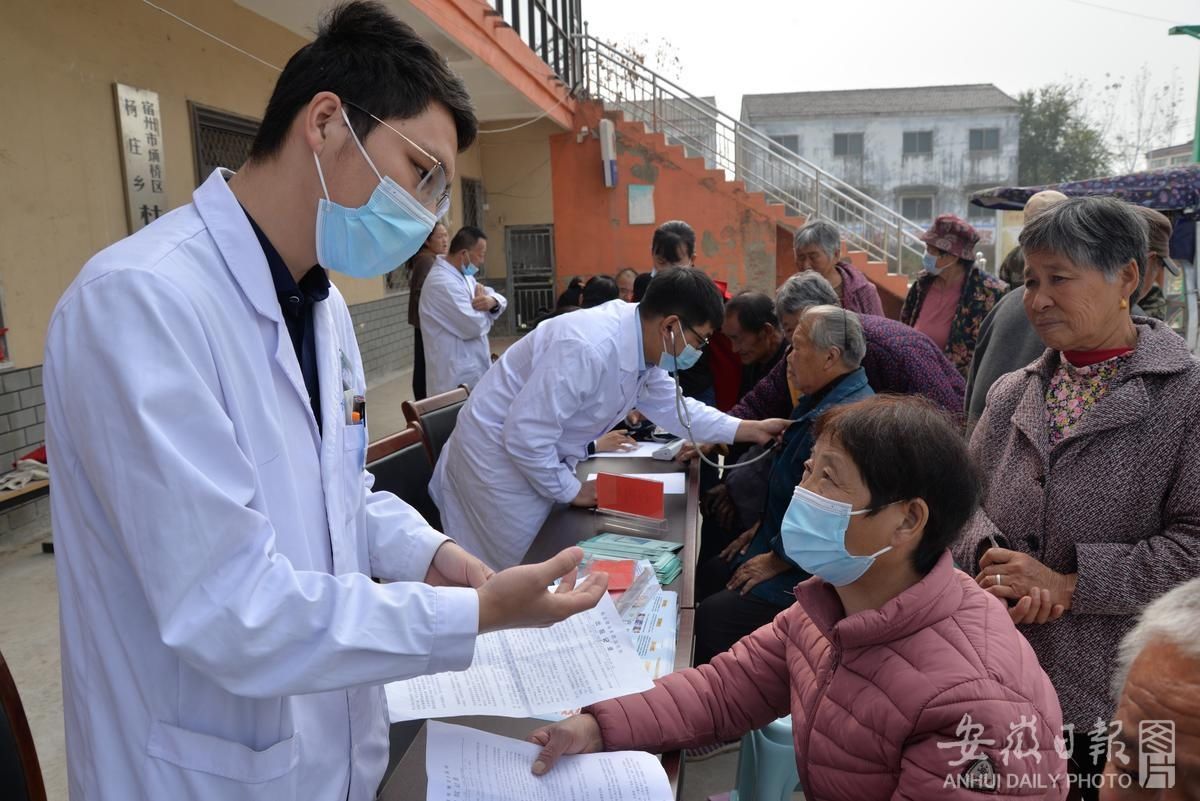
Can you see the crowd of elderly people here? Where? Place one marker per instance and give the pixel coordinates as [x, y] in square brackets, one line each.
[915, 598]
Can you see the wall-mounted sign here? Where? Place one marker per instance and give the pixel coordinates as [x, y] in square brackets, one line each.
[641, 204]
[141, 143]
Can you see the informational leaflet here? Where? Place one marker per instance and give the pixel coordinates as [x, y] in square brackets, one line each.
[465, 764]
[655, 627]
[586, 658]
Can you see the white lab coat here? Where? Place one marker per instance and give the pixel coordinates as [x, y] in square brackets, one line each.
[455, 334]
[517, 441]
[221, 635]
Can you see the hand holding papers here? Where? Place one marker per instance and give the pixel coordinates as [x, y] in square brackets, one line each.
[527, 672]
[464, 763]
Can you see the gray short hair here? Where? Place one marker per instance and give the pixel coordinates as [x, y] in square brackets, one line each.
[1173, 618]
[1100, 233]
[822, 233]
[833, 327]
[803, 290]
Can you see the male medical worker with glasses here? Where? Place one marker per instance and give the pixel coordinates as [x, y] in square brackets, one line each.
[528, 423]
[216, 532]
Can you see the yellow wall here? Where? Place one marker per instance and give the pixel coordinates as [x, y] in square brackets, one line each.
[516, 182]
[59, 160]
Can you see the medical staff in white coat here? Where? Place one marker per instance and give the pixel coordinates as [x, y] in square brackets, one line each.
[216, 534]
[457, 313]
[514, 449]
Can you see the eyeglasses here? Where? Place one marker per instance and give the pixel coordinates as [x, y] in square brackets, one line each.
[703, 340]
[433, 189]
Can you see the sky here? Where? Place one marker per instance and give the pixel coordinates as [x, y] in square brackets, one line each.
[761, 46]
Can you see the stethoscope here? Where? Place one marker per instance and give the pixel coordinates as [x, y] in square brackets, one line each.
[685, 417]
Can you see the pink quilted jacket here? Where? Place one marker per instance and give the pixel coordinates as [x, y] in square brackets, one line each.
[879, 700]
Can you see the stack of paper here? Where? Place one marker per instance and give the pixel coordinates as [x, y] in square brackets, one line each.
[661, 555]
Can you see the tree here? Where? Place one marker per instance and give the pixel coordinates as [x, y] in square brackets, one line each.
[1058, 140]
[1142, 115]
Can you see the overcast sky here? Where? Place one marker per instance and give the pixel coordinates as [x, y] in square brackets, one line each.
[757, 46]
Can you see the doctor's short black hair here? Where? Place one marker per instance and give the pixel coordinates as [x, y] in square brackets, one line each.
[369, 58]
[465, 238]
[686, 292]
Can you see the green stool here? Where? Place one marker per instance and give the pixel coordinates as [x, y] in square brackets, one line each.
[767, 764]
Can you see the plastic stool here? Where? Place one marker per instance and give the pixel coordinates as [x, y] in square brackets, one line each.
[767, 764]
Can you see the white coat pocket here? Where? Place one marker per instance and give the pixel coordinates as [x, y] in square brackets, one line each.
[354, 461]
[188, 764]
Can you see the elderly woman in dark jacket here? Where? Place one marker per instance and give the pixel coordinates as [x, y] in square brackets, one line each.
[1091, 454]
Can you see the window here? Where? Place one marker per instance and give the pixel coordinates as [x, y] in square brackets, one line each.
[786, 142]
[220, 139]
[848, 144]
[985, 140]
[918, 143]
[918, 208]
[472, 193]
[981, 214]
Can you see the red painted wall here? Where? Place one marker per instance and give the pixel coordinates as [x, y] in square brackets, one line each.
[736, 239]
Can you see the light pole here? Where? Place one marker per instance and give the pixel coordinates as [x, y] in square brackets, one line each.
[1193, 31]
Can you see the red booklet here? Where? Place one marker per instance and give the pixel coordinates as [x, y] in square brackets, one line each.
[635, 496]
[620, 572]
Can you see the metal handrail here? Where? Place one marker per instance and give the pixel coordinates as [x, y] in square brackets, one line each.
[746, 154]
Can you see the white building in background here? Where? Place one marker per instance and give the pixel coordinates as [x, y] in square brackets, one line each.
[920, 150]
[1172, 156]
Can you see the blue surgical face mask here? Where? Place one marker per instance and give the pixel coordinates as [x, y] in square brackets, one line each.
[470, 270]
[684, 361]
[929, 262]
[373, 239]
[814, 537]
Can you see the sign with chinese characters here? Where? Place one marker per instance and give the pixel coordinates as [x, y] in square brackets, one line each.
[141, 142]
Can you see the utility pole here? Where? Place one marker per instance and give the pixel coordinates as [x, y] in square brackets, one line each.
[1194, 32]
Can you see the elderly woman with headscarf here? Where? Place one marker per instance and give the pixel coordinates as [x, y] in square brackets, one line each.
[948, 303]
[1093, 507]
[818, 247]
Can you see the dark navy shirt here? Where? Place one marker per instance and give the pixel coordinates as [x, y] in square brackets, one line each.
[296, 301]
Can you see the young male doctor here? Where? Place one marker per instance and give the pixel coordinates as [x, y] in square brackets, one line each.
[216, 532]
[517, 441]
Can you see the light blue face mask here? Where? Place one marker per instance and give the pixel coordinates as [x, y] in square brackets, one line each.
[373, 239]
[929, 262]
[684, 361]
[814, 537]
[470, 270]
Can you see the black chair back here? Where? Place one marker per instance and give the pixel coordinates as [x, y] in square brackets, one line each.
[20, 774]
[400, 464]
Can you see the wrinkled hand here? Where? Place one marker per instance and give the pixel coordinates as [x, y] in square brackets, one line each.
[615, 442]
[634, 418]
[579, 734]
[719, 506]
[739, 545]
[517, 597]
[756, 570]
[761, 432]
[586, 496]
[690, 450]
[454, 567]
[1041, 593]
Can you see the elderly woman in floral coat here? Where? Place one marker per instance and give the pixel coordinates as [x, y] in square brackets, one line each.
[949, 302]
[1091, 454]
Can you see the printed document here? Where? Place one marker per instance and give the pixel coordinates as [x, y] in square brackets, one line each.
[518, 673]
[464, 763]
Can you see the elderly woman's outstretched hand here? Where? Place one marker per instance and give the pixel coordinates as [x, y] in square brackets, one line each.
[1041, 594]
[578, 734]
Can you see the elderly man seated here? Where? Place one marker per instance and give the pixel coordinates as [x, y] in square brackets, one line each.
[1156, 752]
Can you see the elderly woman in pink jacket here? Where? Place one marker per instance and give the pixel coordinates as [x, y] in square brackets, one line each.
[904, 679]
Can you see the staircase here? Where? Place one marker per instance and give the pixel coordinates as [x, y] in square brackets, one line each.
[880, 241]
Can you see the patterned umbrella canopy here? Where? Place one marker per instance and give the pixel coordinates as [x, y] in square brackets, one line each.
[1174, 189]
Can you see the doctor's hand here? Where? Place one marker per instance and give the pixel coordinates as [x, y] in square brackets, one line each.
[587, 495]
[517, 597]
[578, 734]
[761, 432]
[454, 567]
[484, 303]
[615, 442]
